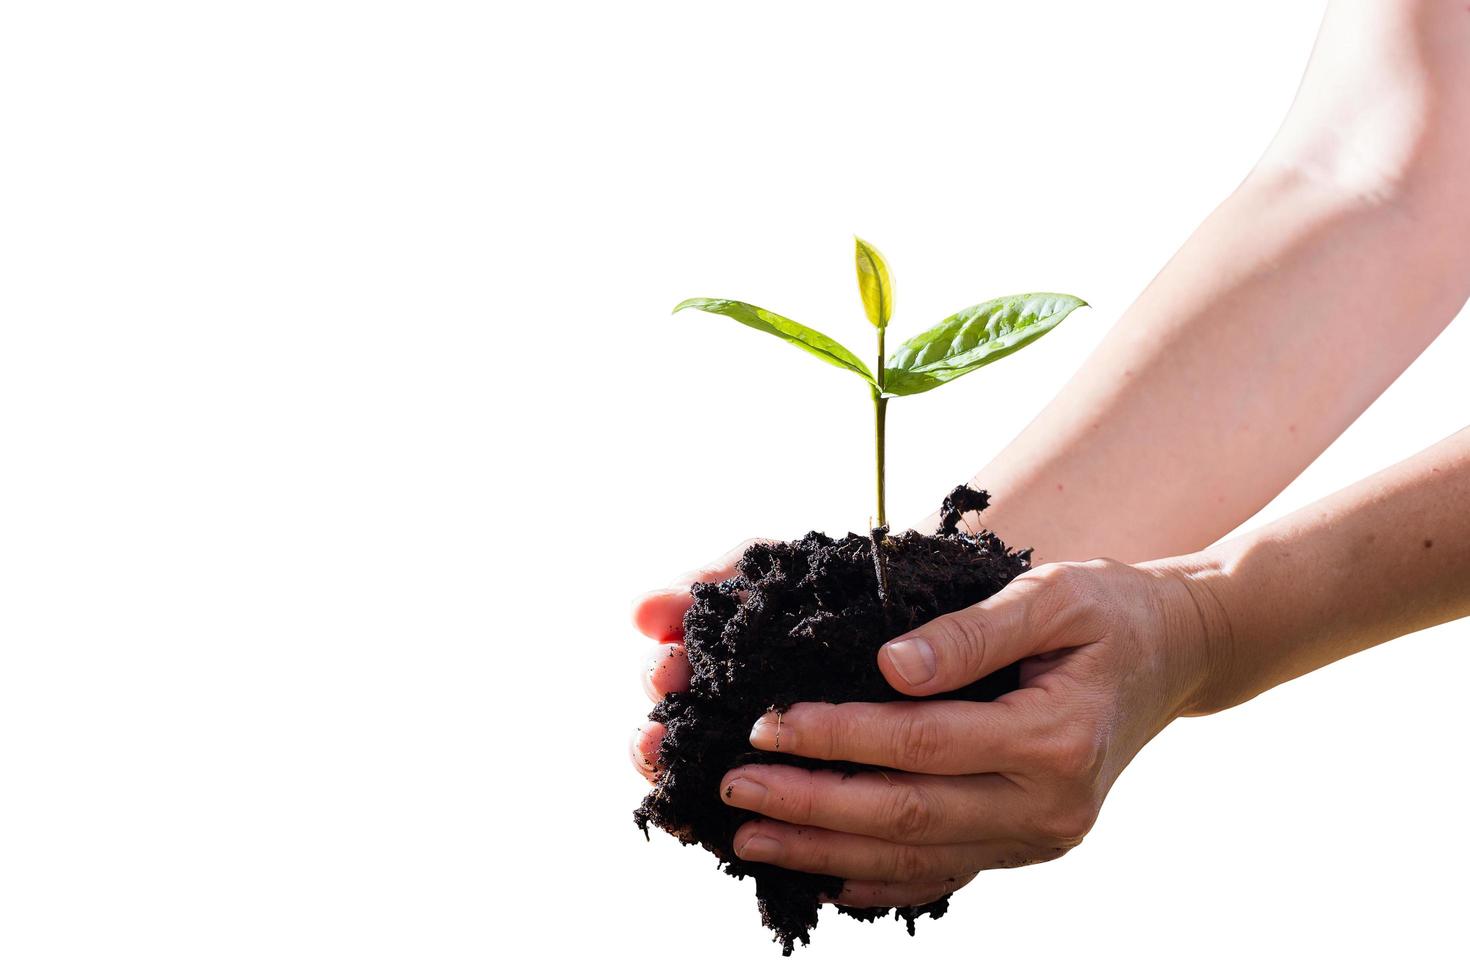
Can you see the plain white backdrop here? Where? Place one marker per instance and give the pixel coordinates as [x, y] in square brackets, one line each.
[342, 417]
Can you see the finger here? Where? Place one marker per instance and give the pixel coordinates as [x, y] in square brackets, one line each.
[897, 807]
[944, 738]
[665, 670]
[893, 894]
[828, 852]
[659, 615]
[1040, 611]
[643, 748]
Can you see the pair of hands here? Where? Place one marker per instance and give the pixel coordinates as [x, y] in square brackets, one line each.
[1110, 654]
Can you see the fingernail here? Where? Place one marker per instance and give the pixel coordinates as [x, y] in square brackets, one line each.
[759, 849]
[744, 792]
[913, 659]
[767, 733]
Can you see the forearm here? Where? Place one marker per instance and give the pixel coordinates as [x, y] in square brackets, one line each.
[1283, 317]
[1385, 557]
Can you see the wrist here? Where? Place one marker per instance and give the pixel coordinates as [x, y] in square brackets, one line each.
[1198, 636]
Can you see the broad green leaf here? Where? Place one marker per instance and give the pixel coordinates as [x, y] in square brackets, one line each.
[874, 284]
[973, 338]
[809, 340]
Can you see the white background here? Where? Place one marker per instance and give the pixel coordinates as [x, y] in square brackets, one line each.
[341, 418]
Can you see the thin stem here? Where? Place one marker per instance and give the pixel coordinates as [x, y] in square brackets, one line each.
[881, 331]
[880, 418]
[880, 412]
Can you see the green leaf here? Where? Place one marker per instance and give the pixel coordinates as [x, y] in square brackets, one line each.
[812, 341]
[973, 338]
[874, 284]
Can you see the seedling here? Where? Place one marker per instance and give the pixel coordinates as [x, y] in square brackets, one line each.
[800, 619]
[958, 344]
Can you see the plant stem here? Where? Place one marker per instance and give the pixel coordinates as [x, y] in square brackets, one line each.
[880, 418]
[880, 411]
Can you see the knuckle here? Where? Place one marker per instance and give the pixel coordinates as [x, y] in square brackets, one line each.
[811, 857]
[1060, 589]
[1080, 594]
[824, 731]
[962, 638]
[1066, 824]
[917, 742]
[1055, 574]
[796, 801]
[1079, 585]
[1072, 582]
[1103, 566]
[1073, 757]
[911, 813]
[909, 864]
[1104, 577]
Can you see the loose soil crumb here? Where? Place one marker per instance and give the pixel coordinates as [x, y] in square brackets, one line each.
[803, 621]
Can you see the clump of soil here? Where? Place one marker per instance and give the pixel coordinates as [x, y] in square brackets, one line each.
[803, 621]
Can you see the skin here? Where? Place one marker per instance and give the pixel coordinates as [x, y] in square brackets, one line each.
[1340, 257]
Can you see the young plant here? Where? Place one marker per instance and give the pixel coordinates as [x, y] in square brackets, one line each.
[958, 344]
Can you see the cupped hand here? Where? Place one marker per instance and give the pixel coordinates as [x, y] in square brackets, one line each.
[659, 615]
[1109, 653]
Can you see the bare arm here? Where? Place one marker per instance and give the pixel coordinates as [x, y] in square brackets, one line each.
[1288, 312]
[1301, 298]
[1385, 557]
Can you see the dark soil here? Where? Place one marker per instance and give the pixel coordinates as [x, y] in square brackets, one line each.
[803, 621]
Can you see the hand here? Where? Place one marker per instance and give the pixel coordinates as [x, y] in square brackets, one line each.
[1110, 653]
[659, 615]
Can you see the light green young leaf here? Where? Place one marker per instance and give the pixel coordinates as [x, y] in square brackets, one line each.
[874, 284]
[973, 338]
[812, 341]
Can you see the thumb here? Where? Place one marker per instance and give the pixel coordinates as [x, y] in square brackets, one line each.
[1037, 612]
